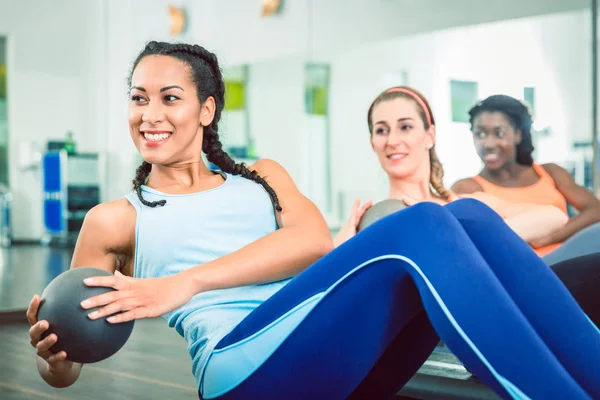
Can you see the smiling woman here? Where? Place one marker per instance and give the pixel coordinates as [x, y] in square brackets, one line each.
[405, 110]
[501, 127]
[150, 128]
[201, 248]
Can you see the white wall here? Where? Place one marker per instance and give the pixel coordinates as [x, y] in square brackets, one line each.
[128, 26]
[551, 53]
[237, 32]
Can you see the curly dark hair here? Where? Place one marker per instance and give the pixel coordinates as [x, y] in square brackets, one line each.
[206, 75]
[519, 116]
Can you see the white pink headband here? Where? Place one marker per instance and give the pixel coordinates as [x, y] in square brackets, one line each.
[417, 98]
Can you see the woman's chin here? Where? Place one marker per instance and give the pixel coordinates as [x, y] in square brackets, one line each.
[490, 166]
[153, 159]
[398, 172]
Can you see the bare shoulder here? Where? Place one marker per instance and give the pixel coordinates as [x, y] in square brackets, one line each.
[273, 172]
[111, 222]
[466, 186]
[111, 213]
[556, 171]
[107, 238]
[562, 177]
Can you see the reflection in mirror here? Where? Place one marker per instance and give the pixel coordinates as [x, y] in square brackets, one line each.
[235, 119]
[549, 70]
[316, 111]
[279, 109]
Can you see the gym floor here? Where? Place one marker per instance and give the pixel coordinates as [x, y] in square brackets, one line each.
[154, 363]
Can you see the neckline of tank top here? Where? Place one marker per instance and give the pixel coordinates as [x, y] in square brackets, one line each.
[225, 176]
[539, 181]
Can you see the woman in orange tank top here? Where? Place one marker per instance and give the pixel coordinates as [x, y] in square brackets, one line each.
[501, 127]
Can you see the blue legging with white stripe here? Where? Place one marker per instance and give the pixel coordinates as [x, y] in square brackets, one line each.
[361, 321]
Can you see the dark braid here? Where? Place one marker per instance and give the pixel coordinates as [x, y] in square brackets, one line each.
[206, 74]
[141, 174]
[519, 117]
[436, 174]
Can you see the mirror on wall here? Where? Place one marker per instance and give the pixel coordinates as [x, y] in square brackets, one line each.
[549, 71]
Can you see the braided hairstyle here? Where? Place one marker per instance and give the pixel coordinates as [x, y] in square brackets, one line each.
[436, 179]
[518, 115]
[206, 75]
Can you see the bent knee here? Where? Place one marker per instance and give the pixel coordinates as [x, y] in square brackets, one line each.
[470, 206]
[469, 202]
[426, 213]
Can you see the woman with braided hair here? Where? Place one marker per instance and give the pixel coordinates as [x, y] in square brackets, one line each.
[241, 265]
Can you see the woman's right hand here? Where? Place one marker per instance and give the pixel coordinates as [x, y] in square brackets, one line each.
[57, 363]
[350, 228]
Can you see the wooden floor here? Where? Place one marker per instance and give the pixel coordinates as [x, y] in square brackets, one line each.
[26, 270]
[153, 364]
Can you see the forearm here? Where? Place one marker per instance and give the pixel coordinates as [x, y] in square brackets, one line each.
[537, 222]
[58, 379]
[579, 222]
[506, 209]
[527, 210]
[277, 256]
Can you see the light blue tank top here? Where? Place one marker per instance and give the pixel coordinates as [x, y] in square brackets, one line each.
[193, 229]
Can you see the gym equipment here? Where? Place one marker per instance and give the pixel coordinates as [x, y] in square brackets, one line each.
[380, 210]
[71, 187]
[83, 339]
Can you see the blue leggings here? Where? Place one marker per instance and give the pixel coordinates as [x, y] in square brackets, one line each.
[361, 321]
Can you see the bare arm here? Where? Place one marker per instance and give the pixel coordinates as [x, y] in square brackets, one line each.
[530, 221]
[538, 222]
[100, 240]
[302, 239]
[580, 198]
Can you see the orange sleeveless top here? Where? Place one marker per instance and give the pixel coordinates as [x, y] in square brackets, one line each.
[544, 191]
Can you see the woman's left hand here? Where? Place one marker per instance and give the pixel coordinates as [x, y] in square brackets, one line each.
[136, 298]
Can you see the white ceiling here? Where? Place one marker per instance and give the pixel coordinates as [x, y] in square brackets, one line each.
[365, 20]
[236, 31]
